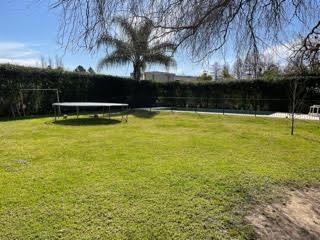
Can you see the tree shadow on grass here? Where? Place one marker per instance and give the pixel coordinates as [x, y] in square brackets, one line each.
[144, 113]
[86, 122]
[10, 119]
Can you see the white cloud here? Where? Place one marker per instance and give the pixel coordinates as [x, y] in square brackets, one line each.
[19, 53]
[31, 62]
[10, 45]
[281, 52]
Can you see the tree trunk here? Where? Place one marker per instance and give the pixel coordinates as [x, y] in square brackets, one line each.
[292, 122]
[136, 72]
[294, 96]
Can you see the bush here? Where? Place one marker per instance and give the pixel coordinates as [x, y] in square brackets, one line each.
[75, 86]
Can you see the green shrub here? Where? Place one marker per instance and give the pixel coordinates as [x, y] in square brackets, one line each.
[75, 86]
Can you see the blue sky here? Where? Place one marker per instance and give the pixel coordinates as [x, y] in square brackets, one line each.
[29, 31]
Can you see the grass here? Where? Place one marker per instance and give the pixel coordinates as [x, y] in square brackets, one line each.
[165, 176]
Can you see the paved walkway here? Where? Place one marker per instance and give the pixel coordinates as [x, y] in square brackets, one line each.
[267, 115]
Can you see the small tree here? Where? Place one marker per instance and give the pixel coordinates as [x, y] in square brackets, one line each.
[238, 68]
[50, 63]
[253, 64]
[296, 96]
[297, 89]
[59, 63]
[225, 75]
[91, 71]
[272, 72]
[43, 62]
[80, 69]
[216, 70]
[205, 77]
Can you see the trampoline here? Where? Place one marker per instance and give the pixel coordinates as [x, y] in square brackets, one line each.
[77, 105]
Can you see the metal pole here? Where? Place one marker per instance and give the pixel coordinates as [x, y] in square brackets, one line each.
[223, 105]
[121, 113]
[127, 113]
[58, 100]
[255, 107]
[55, 113]
[109, 113]
[77, 112]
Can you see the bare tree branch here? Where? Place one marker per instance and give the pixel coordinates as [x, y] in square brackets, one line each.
[200, 27]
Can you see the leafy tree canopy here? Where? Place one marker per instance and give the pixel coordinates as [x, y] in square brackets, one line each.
[80, 69]
[91, 71]
[135, 46]
[205, 77]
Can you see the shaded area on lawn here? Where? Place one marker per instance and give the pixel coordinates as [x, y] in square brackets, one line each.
[86, 121]
[144, 113]
[20, 118]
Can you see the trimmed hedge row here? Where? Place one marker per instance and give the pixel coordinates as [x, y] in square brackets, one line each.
[88, 87]
[72, 86]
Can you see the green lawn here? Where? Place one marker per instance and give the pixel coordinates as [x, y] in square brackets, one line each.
[165, 176]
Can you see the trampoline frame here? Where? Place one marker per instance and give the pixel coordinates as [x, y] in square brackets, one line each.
[124, 108]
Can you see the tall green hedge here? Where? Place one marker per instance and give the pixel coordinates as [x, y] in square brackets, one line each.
[97, 87]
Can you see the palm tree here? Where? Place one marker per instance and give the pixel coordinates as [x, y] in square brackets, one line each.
[136, 46]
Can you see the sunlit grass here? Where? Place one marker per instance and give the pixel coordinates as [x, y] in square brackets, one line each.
[181, 176]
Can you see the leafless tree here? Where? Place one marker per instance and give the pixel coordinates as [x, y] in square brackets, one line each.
[216, 71]
[252, 65]
[307, 50]
[296, 97]
[58, 62]
[50, 63]
[238, 68]
[225, 74]
[202, 27]
[43, 62]
[297, 86]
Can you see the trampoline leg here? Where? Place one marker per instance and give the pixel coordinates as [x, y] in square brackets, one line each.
[109, 113]
[121, 114]
[127, 114]
[77, 112]
[55, 113]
